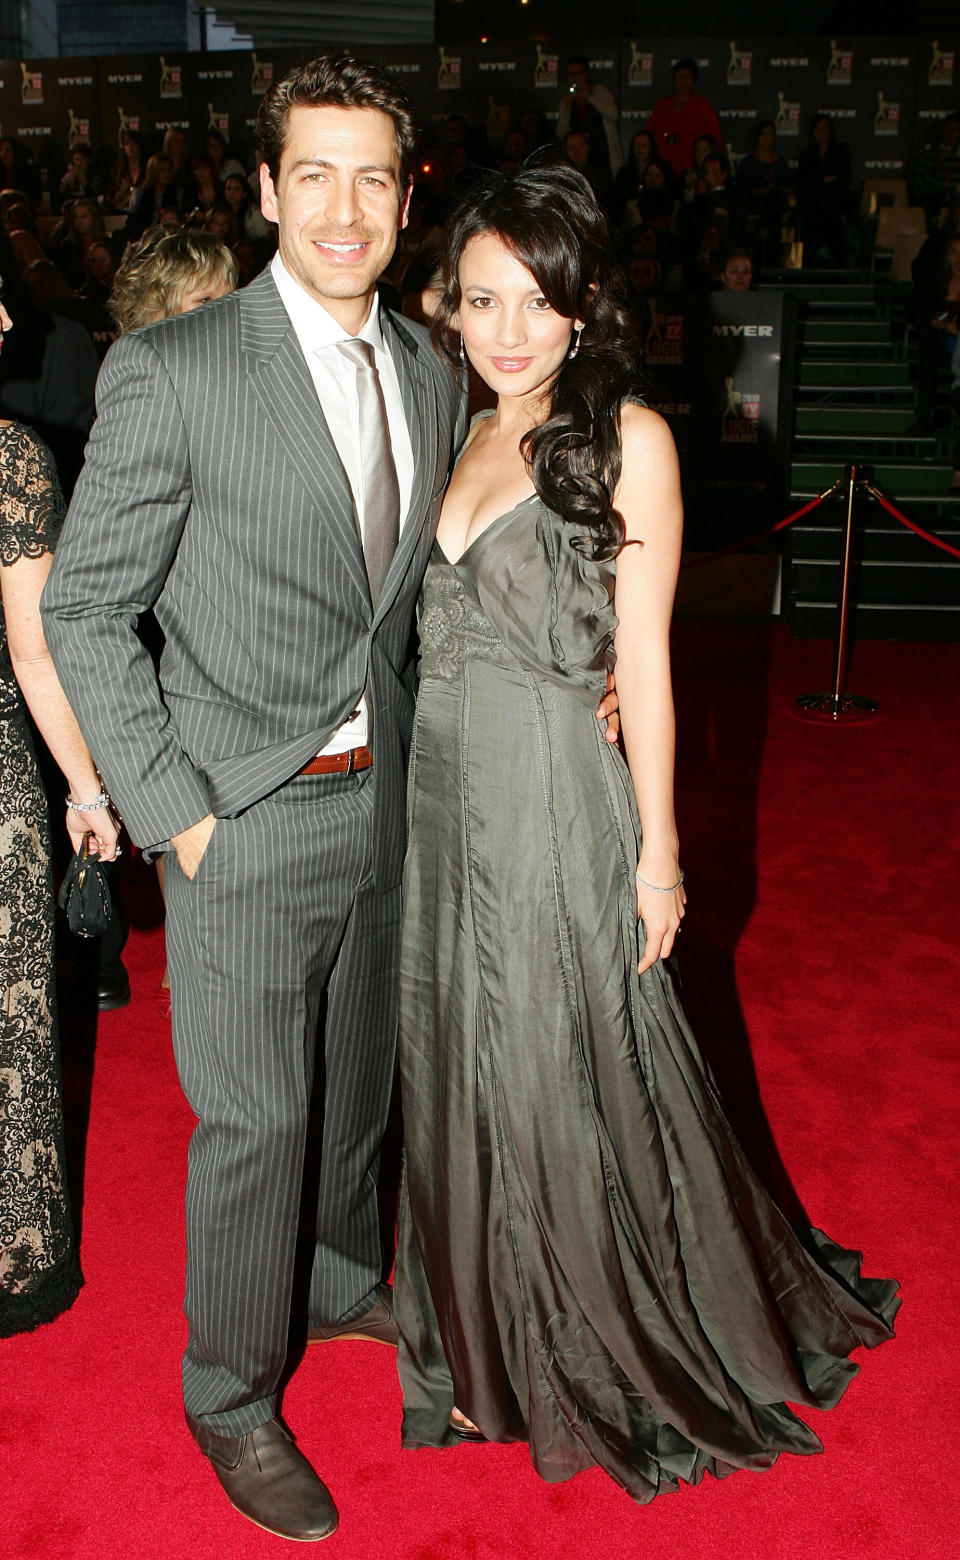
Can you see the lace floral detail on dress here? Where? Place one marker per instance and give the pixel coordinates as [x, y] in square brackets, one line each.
[452, 629]
[32, 510]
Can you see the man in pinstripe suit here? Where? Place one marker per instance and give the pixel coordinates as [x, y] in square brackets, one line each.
[227, 486]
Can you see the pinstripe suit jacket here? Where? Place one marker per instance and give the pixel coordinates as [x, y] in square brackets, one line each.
[213, 493]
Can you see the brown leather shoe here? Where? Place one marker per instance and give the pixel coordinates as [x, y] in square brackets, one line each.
[268, 1481]
[375, 1326]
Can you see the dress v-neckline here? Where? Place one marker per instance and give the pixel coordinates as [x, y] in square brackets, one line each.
[491, 526]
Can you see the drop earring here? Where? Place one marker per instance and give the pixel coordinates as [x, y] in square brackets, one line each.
[463, 355]
[576, 345]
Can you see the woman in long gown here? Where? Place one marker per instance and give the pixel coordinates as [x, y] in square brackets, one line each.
[39, 1270]
[585, 1260]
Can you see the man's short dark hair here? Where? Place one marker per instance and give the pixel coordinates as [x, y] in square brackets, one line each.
[687, 63]
[335, 79]
[579, 59]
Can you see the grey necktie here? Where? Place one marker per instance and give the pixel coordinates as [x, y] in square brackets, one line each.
[380, 526]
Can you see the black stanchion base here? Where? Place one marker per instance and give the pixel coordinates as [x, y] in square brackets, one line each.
[849, 709]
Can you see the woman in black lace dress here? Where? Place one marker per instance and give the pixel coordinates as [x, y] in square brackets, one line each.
[39, 1272]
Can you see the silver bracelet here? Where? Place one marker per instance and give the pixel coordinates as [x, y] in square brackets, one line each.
[97, 805]
[653, 887]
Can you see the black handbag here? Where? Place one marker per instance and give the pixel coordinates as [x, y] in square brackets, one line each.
[85, 894]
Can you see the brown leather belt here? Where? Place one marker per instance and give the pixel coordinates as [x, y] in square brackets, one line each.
[339, 763]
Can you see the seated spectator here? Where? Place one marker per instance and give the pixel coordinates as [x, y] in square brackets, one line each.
[205, 190]
[576, 151]
[79, 182]
[170, 273]
[695, 178]
[719, 204]
[48, 369]
[127, 173]
[703, 271]
[222, 163]
[679, 119]
[421, 287]
[219, 222]
[536, 131]
[644, 277]
[657, 200]
[16, 170]
[935, 173]
[589, 107]
[629, 179]
[737, 272]
[82, 225]
[246, 219]
[101, 268]
[159, 188]
[765, 179]
[823, 192]
[170, 218]
[936, 314]
[250, 261]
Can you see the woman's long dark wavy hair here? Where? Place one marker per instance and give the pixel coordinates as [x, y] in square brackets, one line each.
[547, 215]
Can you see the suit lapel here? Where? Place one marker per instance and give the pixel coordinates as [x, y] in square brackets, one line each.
[420, 409]
[281, 382]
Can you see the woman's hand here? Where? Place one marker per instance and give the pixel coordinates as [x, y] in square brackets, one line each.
[100, 824]
[661, 914]
[609, 710]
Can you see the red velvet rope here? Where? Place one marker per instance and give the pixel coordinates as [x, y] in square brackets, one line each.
[781, 525]
[911, 524]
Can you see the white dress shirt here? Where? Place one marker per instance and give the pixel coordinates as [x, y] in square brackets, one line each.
[335, 380]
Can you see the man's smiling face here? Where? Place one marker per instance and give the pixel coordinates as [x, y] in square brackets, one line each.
[338, 204]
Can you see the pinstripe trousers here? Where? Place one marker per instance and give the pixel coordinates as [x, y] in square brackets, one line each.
[281, 913]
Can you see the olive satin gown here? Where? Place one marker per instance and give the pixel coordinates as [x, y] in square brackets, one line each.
[585, 1259]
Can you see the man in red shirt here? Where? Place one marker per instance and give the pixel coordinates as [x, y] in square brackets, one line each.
[677, 121]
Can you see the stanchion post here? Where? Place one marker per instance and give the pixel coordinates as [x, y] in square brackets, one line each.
[838, 705]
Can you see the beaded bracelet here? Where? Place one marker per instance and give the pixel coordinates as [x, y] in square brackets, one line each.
[653, 887]
[97, 805]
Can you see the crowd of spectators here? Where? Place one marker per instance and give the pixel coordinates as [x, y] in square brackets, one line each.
[686, 213]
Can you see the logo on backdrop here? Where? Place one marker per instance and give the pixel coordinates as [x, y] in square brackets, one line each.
[641, 67]
[171, 80]
[126, 122]
[31, 84]
[663, 342]
[840, 69]
[545, 68]
[79, 129]
[739, 67]
[740, 423]
[217, 120]
[886, 121]
[788, 116]
[448, 72]
[261, 74]
[940, 73]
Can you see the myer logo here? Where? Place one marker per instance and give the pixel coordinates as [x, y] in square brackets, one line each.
[782, 63]
[37, 130]
[884, 167]
[172, 124]
[215, 75]
[171, 80]
[545, 68]
[840, 68]
[448, 71]
[261, 75]
[899, 61]
[405, 68]
[125, 81]
[886, 120]
[743, 330]
[641, 67]
[675, 408]
[739, 67]
[737, 113]
[498, 64]
[74, 81]
[940, 73]
[31, 84]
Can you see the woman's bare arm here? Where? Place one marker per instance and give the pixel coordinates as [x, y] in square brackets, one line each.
[648, 497]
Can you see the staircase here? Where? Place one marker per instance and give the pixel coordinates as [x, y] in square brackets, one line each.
[854, 403]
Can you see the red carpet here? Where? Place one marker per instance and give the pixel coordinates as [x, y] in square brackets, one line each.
[821, 940]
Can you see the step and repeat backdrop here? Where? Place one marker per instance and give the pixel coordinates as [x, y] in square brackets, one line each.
[883, 92]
